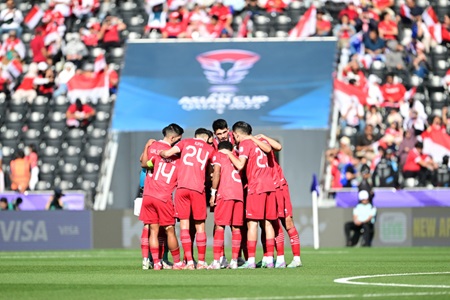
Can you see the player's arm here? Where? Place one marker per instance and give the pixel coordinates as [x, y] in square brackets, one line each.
[215, 184]
[239, 163]
[276, 146]
[170, 152]
[144, 156]
[265, 147]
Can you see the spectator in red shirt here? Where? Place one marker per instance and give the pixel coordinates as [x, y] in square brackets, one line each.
[79, 115]
[45, 81]
[353, 71]
[323, 26]
[275, 6]
[387, 28]
[351, 12]
[214, 28]
[418, 165]
[110, 32]
[393, 93]
[383, 5]
[37, 46]
[174, 28]
[224, 14]
[90, 35]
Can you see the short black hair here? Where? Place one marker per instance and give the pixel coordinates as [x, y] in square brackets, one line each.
[225, 145]
[445, 159]
[3, 199]
[33, 148]
[20, 153]
[172, 129]
[243, 127]
[202, 131]
[219, 124]
[419, 145]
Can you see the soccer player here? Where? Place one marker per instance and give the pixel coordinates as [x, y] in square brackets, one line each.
[190, 195]
[227, 195]
[260, 202]
[157, 207]
[221, 132]
[284, 210]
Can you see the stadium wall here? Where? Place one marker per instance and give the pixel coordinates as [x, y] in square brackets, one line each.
[64, 230]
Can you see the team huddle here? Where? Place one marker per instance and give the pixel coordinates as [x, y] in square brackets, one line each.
[246, 188]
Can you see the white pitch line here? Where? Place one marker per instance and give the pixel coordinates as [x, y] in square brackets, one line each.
[337, 296]
[348, 280]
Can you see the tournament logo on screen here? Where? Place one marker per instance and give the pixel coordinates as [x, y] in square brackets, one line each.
[225, 80]
[224, 70]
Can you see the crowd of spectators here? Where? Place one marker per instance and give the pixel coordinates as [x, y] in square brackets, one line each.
[397, 64]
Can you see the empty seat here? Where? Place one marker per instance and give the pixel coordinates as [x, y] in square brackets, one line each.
[75, 137]
[10, 138]
[282, 23]
[68, 172]
[261, 23]
[47, 172]
[49, 154]
[36, 120]
[40, 105]
[93, 154]
[8, 154]
[19, 106]
[101, 120]
[43, 185]
[60, 103]
[97, 137]
[53, 137]
[32, 136]
[57, 120]
[15, 120]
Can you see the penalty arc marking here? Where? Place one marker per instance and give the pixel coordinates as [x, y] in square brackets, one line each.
[349, 280]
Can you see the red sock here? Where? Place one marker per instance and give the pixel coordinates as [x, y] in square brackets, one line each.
[295, 241]
[218, 243]
[175, 255]
[270, 244]
[144, 242]
[236, 238]
[186, 243]
[251, 246]
[201, 245]
[155, 255]
[279, 239]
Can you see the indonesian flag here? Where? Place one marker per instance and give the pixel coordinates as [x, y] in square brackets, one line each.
[12, 70]
[434, 27]
[306, 26]
[243, 29]
[100, 63]
[436, 143]
[345, 93]
[410, 93]
[87, 87]
[405, 12]
[52, 35]
[33, 17]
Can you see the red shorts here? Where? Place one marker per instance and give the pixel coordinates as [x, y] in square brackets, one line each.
[155, 211]
[284, 204]
[261, 206]
[187, 201]
[229, 213]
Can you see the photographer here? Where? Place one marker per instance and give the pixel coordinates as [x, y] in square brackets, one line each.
[55, 201]
[10, 19]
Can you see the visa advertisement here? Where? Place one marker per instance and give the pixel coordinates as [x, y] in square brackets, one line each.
[271, 84]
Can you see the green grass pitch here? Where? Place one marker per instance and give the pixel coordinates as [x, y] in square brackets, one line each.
[117, 274]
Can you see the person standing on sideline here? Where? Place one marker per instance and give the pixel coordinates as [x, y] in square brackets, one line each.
[363, 218]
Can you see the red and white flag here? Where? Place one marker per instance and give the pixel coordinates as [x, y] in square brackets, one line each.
[405, 12]
[306, 26]
[410, 93]
[33, 17]
[100, 63]
[13, 70]
[432, 21]
[436, 143]
[243, 28]
[87, 87]
[345, 93]
[51, 35]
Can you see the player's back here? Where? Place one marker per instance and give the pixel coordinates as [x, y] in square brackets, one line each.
[230, 186]
[195, 156]
[164, 179]
[259, 175]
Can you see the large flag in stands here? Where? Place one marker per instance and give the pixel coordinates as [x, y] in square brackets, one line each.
[436, 143]
[344, 93]
[88, 87]
[432, 21]
[33, 17]
[306, 26]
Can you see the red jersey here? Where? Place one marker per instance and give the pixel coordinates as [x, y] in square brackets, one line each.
[223, 12]
[173, 29]
[412, 161]
[86, 109]
[351, 14]
[258, 173]
[163, 181]
[277, 173]
[111, 34]
[36, 45]
[230, 186]
[195, 155]
[395, 91]
[230, 139]
[387, 26]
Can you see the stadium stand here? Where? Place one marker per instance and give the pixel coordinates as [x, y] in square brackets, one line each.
[72, 158]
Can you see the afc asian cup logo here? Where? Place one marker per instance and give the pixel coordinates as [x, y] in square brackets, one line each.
[224, 81]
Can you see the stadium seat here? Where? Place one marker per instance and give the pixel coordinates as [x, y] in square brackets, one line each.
[32, 137]
[36, 121]
[53, 137]
[60, 103]
[97, 137]
[47, 172]
[105, 104]
[68, 172]
[57, 120]
[434, 84]
[440, 68]
[10, 138]
[19, 106]
[282, 23]
[14, 121]
[93, 154]
[40, 105]
[101, 120]
[75, 137]
[438, 100]
[260, 34]
[43, 185]
[49, 154]
[8, 154]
